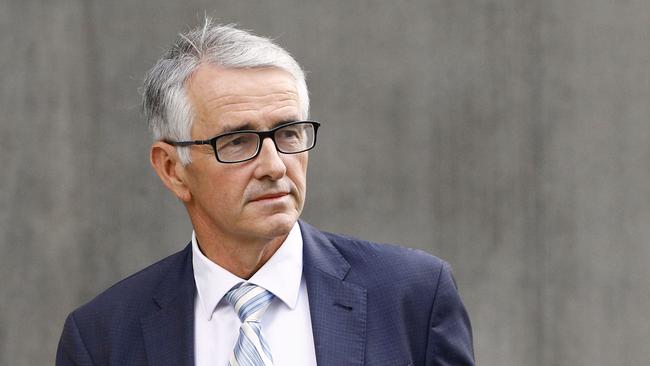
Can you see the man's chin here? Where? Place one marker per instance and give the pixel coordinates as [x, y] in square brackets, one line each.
[279, 224]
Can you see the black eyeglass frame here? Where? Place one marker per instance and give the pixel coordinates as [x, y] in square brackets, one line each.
[261, 134]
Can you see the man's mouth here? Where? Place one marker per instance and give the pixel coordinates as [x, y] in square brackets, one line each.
[270, 196]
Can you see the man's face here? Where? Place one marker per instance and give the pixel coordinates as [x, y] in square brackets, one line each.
[257, 199]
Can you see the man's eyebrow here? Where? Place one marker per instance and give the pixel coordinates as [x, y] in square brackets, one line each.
[282, 122]
[236, 128]
[249, 126]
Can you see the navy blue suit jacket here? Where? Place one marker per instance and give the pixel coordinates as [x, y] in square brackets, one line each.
[370, 304]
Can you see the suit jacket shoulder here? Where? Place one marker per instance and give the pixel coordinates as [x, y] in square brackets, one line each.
[108, 329]
[387, 265]
[414, 313]
[141, 285]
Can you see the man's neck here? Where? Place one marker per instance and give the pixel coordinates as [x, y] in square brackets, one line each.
[242, 259]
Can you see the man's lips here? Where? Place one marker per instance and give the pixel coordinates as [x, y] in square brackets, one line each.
[269, 196]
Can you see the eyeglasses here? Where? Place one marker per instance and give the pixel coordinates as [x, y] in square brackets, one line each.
[240, 146]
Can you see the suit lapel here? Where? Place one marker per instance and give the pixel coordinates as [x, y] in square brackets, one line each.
[338, 308]
[169, 333]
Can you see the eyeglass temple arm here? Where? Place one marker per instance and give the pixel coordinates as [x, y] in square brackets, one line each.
[188, 143]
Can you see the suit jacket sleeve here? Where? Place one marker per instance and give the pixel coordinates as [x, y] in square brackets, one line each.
[71, 350]
[450, 332]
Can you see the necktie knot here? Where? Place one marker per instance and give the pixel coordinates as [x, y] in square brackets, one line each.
[250, 301]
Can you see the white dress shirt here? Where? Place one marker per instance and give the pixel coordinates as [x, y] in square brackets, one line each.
[286, 325]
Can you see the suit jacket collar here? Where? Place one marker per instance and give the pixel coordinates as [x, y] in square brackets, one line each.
[169, 332]
[337, 307]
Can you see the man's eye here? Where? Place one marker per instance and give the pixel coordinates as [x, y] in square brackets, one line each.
[238, 141]
[235, 141]
[289, 134]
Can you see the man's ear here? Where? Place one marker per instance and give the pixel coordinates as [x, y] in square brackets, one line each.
[166, 162]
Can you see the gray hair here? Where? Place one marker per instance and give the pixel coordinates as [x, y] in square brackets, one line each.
[165, 103]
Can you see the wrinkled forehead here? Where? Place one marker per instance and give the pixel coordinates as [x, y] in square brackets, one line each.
[220, 95]
[209, 81]
[213, 83]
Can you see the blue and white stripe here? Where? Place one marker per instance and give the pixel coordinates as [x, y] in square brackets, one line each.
[250, 303]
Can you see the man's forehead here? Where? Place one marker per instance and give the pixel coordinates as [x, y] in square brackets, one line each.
[217, 79]
[213, 87]
[227, 100]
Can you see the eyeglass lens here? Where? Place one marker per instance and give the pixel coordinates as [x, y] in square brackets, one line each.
[289, 139]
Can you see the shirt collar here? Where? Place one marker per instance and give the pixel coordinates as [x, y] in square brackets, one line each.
[281, 274]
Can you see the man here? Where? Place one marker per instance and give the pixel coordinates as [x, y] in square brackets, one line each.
[256, 286]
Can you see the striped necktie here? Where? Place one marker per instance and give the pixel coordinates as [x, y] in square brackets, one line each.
[250, 303]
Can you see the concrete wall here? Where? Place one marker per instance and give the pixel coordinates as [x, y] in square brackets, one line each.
[508, 137]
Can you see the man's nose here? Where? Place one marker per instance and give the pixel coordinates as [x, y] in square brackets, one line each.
[269, 163]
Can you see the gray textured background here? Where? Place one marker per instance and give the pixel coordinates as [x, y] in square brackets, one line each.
[510, 137]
